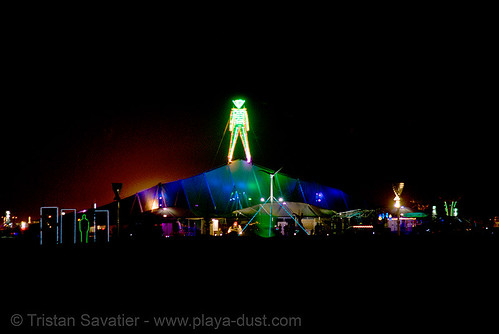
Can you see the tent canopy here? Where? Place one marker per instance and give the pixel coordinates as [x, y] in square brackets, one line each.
[230, 188]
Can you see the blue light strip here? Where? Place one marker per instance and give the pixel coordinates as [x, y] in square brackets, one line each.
[209, 191]
[74, 223]
[185, 194]
[292, 217]
[301, 190]
[344, 200]
[41, 221]
[255, 214]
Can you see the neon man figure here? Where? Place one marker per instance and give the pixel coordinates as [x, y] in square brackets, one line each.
[84, 228]
[239, 126]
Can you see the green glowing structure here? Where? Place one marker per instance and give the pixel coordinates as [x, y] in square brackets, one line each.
[262, 219]
[451, 210]
[86, 225]
[239, 127]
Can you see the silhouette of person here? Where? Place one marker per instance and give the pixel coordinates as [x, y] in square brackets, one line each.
[84, 227]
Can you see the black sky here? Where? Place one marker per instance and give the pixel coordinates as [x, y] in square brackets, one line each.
[352, 109]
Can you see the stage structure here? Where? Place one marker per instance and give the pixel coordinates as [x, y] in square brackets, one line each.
[239, 127]
[230, 192]
[272, 199]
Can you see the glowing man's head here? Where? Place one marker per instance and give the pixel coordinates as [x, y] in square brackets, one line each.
[238, 103]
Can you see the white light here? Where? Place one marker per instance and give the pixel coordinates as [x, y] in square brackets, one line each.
[262, 199]
[281, 199]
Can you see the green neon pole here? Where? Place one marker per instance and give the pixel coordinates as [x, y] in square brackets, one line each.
[271, 199]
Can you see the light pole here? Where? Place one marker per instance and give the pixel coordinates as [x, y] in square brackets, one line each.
[272, 196]
[117, 189]
[271, 199]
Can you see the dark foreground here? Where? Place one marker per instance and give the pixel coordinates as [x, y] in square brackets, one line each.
[347, 284]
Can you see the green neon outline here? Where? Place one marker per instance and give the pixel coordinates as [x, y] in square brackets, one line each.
[84, 217]
[238, 103]
[239, 127]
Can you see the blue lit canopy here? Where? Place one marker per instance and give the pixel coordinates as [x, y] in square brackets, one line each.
[226, 189]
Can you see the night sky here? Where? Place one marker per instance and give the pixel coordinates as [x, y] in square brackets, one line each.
[351, 109]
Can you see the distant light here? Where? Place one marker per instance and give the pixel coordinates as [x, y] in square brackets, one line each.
[281, 199]
[262, 199]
